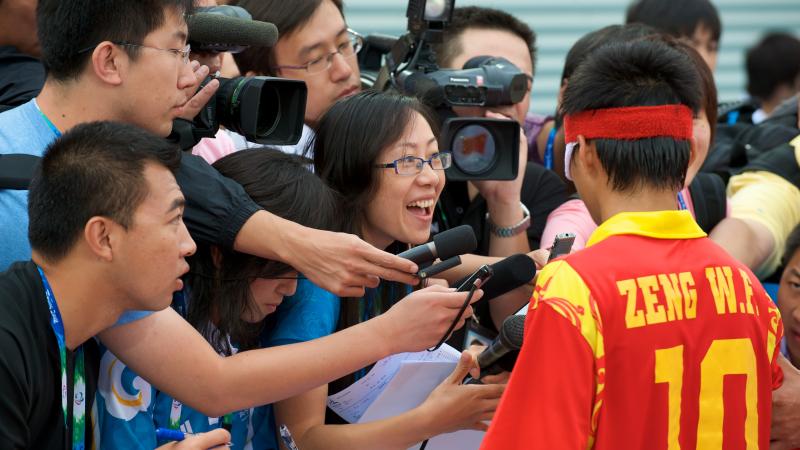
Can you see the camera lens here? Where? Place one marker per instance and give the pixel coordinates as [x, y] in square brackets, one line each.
[268, 118]
[474, 149]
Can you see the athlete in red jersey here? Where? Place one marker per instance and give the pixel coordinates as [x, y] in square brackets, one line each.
[652, 337]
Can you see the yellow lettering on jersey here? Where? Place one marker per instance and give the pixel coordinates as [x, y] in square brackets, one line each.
[720, 279]
[667, 297]
[633, 318]
[689, 294]
[748, 293]
[672, 291]
[655, 312]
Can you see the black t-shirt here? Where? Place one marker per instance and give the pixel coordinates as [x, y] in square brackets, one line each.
[542, 192]
[21, 77]
[30, 369]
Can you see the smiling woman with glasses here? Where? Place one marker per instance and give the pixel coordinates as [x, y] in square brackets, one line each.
[354, 141]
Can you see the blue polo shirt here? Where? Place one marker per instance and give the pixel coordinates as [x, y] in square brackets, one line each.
[25, 130]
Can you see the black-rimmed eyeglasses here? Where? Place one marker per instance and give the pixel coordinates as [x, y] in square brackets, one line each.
[412, 165]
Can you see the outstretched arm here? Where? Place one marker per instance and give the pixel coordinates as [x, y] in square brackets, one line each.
[165, 350]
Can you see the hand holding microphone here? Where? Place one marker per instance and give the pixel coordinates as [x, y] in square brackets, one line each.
[418, 321]
[508, 341]
[447, 246]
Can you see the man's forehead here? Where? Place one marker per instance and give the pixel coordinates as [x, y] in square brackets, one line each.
[478, 41]
[174, 25]
[319, 29]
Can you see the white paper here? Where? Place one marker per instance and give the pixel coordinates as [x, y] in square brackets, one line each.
[410, 386]
[399, 383]
[352, 402]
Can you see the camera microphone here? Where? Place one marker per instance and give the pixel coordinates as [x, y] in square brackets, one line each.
[509, 340]
[453, 242]
[217, 32]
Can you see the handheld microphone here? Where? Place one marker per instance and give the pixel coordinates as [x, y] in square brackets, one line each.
[509, 274]
[221, 33]
[509, 340]
[453, 242]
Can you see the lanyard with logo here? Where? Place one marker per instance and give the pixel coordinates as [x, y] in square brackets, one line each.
[47, 120]
[79, 381]
[548, 150]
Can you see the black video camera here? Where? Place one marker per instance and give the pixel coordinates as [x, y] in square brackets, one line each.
[265, 110]
[483, 149]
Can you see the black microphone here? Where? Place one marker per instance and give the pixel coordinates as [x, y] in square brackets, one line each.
[509, 274]
[453, 242]
[217, 32]
[509, 340]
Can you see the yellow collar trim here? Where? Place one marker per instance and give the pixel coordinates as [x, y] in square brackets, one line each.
[654, 224]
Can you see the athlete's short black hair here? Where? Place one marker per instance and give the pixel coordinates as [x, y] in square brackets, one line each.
[639, 73]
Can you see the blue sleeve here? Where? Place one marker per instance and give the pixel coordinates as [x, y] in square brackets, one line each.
[310, 313]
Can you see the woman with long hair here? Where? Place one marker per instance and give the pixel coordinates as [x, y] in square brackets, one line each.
[380, 152]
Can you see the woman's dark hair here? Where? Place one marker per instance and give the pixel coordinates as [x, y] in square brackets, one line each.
[707, 84]
[219, 280]
[640, 73]
[350, 138]
[287, 16]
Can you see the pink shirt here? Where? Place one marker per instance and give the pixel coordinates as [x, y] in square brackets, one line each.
[213, 149]
[573, 217]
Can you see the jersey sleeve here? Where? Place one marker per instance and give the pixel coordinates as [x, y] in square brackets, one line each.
[553, 393]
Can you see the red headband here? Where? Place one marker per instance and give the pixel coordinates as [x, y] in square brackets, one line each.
[635, 122]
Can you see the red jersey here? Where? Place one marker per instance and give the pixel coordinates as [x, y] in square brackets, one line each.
[652, 337]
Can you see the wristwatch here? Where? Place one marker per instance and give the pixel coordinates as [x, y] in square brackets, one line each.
[513, 230]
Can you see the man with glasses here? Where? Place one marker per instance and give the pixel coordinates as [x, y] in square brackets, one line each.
[314, 46]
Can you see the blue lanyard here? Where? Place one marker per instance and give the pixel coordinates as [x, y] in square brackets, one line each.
[47, 120]
[681, 202]
[79, 380]
[548, 150]
[733, 116]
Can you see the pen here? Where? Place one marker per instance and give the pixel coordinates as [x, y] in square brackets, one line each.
[175, 435]
[288, 440]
